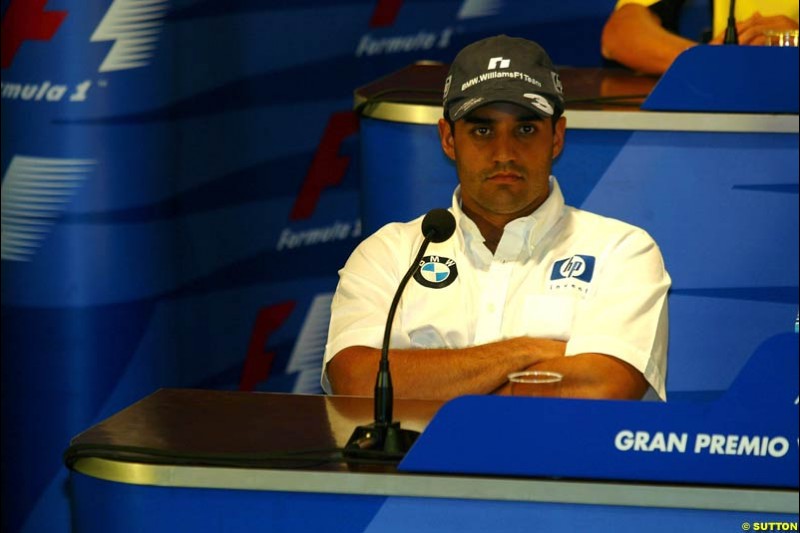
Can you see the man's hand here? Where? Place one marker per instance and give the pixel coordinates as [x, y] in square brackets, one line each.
[751, 31]
[597, 376]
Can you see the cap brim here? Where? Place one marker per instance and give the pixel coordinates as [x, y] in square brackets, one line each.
[540, 104]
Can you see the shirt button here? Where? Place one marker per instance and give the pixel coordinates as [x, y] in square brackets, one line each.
[491, 308]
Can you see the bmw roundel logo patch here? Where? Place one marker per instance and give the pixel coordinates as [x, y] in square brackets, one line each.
[436, 272]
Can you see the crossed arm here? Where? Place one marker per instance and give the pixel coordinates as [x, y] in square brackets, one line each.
[447, 373]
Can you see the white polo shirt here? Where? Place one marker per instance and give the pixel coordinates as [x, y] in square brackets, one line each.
[560, 273]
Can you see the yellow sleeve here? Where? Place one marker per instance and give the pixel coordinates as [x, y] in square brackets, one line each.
[621, 3]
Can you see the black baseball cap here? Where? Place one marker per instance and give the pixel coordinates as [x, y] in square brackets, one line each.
[502, 69]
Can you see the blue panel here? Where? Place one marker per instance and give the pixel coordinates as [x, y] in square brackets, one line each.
[746, 438]
[723, 207]
[478, 516]
[585, 159]
[102, 506]
[405, 172]
[736, 79]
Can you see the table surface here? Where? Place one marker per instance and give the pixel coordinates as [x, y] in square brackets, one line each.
[186, 423]
[595, 98]
[189, 421]
[584, 88]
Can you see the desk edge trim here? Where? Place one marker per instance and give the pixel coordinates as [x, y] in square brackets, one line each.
[615, 120]
[446, 486]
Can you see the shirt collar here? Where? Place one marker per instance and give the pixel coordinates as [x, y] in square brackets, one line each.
[520, 236]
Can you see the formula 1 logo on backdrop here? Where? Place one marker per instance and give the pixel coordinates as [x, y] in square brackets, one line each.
[386, 13]
[132, 26]
[35, 193]
[26, 20]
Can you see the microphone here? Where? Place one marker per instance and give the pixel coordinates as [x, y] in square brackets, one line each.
[731, 35]
[385, 435]
[438, 226]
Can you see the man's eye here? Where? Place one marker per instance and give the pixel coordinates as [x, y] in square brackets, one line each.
[481, 131]
[527, 129]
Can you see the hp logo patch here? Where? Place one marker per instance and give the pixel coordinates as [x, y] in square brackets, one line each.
[577, 267]
[436, 272]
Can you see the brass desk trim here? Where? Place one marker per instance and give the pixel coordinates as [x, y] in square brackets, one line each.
[446, 486]
[610, 120]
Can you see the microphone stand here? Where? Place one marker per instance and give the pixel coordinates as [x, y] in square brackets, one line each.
[731, 34]
[384, 439]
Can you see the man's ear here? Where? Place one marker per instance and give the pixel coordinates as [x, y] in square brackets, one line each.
[446, 138]
[559, 132]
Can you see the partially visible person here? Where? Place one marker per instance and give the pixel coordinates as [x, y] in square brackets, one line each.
[642, 34]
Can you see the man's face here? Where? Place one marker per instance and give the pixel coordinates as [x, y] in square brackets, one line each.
[503, 155]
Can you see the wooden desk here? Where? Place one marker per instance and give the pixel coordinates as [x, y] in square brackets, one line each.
[604, 99]
[585, 88]
[182, 421]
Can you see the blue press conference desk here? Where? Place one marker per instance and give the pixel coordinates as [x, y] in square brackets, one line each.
[112, 490]
[193, 460]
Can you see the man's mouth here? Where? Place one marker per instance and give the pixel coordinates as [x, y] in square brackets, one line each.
[504, 177]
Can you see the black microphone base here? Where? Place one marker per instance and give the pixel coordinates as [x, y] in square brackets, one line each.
[381, 442]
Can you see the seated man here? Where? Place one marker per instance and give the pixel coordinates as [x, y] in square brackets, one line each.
[642, 34]
[526, 282]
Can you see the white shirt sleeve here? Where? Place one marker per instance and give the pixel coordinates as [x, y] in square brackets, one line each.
[626, 316]
[367, 284]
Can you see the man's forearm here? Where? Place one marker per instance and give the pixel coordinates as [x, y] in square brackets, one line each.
[439, 373]
[598, 376]
[634, 37]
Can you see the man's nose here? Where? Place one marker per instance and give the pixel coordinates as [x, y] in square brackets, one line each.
[504, 147]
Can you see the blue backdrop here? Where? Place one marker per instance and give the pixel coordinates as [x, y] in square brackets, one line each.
[180, 186]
